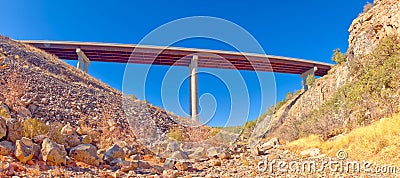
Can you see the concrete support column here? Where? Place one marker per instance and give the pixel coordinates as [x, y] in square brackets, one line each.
[80, 62]
[194, 102]
[83, 60]
[305, 75]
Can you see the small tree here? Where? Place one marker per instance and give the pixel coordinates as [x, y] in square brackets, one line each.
[270, 110]
[338, 57]
[310, 80]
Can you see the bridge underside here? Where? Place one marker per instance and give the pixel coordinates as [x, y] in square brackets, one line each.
[172, 56]
[157, 55]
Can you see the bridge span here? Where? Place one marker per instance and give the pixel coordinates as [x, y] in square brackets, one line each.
[85, 52]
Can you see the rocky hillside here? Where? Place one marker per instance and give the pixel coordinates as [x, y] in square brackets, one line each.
[378, 22]
[342, 100]
[35, 84]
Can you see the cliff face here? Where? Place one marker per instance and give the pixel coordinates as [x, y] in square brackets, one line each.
[381, 21]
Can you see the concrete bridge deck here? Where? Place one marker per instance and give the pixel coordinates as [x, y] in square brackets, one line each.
[160, 55]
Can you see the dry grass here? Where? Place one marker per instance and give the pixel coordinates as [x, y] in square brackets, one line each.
[378, 142]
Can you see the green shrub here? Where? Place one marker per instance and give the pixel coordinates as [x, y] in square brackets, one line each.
[310, 80]
[289, 96]
[32, 127]
[338, 57]
[372, 95]
[4, 113]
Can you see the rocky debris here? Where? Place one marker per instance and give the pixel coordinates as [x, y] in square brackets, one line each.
[270, 144]
[199, 152]
[14, 128]
[224, 155]
[114, 152]
[117, 162]
[216, 162]
[172, 147]
[212, 152]
[39, 139]
[72, 140]
[368, 28]
[180, 155]
[143, 165]
[129, 166]
[310, 152]
[6, 148]
[86, 153]
[182, 166]
[171, 173]
[86, 139]
[24, 150]
[53, 153]
[170, 163]
[3, 127]
[68, 130]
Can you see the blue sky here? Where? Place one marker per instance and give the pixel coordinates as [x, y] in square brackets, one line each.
[308, 29]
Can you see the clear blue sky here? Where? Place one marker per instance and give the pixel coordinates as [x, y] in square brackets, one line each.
[308, 29]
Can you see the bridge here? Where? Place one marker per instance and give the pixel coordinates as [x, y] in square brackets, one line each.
[85, 52]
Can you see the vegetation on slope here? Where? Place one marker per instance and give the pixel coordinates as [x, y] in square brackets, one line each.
[378, 142]
[373, 94]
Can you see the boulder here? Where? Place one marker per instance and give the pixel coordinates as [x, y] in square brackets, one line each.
[129, 166]
[39, 139]
[3, 127]
[182, 166]
[199, 152]
[114, 152]
[169, 163]
[24, 150]
[224, 155]
[143, 165]
[72, 140]
[310, 152]
[53, 153]
[14, 128]
[172, 147]
[86, 153]
[129, 151]
[117, 162]
[68, 130]
[212, 152]
[270, 144]
[86, 139]
[6, 148]
[179, 155]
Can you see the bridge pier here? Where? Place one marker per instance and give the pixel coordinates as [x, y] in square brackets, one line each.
[193, 80]
[82, 60]
[305, 75]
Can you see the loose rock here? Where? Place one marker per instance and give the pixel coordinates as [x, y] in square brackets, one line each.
[86, 153]
[53, 153]
[114, 152]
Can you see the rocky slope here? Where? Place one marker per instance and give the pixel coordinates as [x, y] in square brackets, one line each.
[366, 31]
[382, 20]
